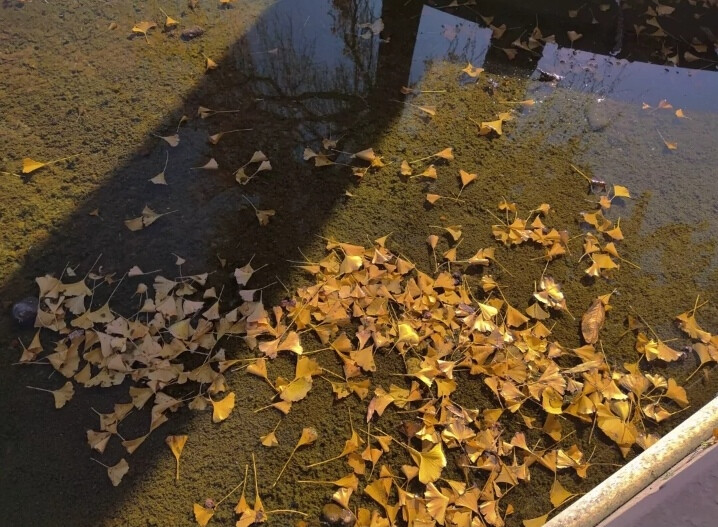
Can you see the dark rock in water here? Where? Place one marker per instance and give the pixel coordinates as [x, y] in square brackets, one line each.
[192, 32]
[598, 117]
[25, 311]
[335, 516]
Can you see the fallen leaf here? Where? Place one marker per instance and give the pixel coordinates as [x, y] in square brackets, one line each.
[432, 198]
[209, 165]
[61, 395]
[176, 444]
[222, 408]
[405, 169]
[143, 27]
[117, 472]
[202, 515]
[309, 436]
[573, 36]
[29, 165]
[430, 463]
[592, 321]
[472, 71]
[172, 140]
[558, 494]
[466, 178]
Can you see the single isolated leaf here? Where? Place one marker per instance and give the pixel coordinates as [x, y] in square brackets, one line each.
[573, 36]
[432, 198]
[487, 127]
[209, 165]
[558, 494]
[143, 27]
[592, 321]
[466, 178]
[405, 169]
[309, 436]
[117, 472]
[176, 444]
[172, 140]
[202, 515]
[472, 71]
[61, 395]
[30, 165]
[222, 408]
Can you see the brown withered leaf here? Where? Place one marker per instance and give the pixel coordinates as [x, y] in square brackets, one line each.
[592, 321]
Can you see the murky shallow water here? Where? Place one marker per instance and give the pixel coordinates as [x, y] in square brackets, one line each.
[299, 72]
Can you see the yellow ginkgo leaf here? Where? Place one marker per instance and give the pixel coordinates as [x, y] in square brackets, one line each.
[536, 522]
[621, 192]
[472, 71]
[98, 440]
[202, 515]
[117, 472]
[269, 440]
[296, 390]
[491, 126]
[466, 178]
[407, 334]
[309, 436]
[61, 395]
[436, 502]
[176, 444]
[430, 463]
[222, 408]
[405, 169]
[30, 165]
[558, 494]
[143, 27]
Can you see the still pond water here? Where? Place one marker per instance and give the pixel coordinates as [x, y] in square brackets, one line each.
[77, 80]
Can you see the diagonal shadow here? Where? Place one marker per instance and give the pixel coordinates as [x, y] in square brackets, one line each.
[303, 71]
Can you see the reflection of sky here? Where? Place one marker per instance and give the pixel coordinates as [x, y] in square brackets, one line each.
[633, 82]
[313, 46]
[445, 36]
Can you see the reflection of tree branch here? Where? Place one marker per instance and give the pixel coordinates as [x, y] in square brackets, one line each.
[305, 95]
[350, 35]
[308, 76]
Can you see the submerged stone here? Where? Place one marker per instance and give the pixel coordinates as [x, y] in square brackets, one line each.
[25, 311]
[335, 516]
[192, 32]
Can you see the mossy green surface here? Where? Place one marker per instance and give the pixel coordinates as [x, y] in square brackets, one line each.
[71, 85]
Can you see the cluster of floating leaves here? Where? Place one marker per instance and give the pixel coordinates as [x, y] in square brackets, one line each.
[177, 322]
[446, 337]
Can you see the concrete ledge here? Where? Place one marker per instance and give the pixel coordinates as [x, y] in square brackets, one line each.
[626, 483]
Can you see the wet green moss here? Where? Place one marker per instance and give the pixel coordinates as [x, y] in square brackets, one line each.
[106, 106]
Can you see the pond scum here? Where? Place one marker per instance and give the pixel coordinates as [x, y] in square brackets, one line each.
[364, 303]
